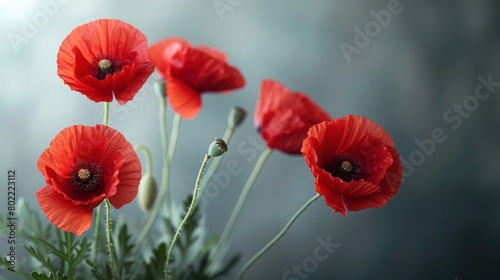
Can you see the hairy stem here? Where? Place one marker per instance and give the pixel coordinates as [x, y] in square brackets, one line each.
[186, 217]
[250, 262]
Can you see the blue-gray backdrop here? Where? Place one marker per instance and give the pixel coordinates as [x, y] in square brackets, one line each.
[415, 67]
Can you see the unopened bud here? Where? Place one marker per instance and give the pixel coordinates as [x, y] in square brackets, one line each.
[217, 148]
[160, 88]
[236, 117]
[147, 192]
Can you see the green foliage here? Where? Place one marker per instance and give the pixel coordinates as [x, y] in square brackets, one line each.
[42, 276]
[126, 265]
[156, 266]
[58, 255]
[100, 273]
[53, 251]
[191, 256]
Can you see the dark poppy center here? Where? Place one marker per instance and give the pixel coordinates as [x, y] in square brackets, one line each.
[86, 176]
[106, 67]
[344, 167]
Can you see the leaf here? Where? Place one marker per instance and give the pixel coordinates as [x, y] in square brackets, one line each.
[97, 272]
[56, 251]
[39, 256]
[42, 276]
[30, 224]
[123, 244]
[192, 256]
[127, 266]
[156, 266]
[82, 250]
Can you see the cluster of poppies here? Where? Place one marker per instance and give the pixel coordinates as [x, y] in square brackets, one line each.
[352, 159]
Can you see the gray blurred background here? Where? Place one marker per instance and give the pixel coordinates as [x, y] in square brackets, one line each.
[443, 224]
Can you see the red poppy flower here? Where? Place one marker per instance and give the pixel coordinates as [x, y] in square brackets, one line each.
[190, 71]
[82, 166]
[354, 163]
[103, 58]
[284, 117]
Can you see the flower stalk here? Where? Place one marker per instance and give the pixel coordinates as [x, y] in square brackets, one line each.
[235, 118]
[215, 163]
[240, 203]
[264, 249]
[111, 258]
[106, 113]
[149, 157]
[168, 148]
[98, 212]
[186, 217]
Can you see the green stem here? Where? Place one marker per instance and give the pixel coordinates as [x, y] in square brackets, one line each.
[106, 113]
[97, 229]
[228, 134]
[110, 240]
[61, 247]
[186, 217]
[174, 135]
[97, 223]
[241, 201]
[249, 263]
[215, 163]
[69, 246]
[149, 158]
[176, 124]
[164, 177]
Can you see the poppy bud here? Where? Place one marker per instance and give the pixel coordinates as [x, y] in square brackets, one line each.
[147, 192]
[217, 148]
[160, 88]
[236, 117]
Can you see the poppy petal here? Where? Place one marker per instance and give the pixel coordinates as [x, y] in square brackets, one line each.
[353, 188]
[375, 200]
[389, 186]
[340, 134]
[213, 53]
[394, 175]
[365, 143]
[63, 213]
[284, 118]
[64, 188]
[374, 157]
[331, 199]
[357, 126]
[190, 71]
[118, 42]
[138, 74]
[284, 130]
[277, 124]
[272, 94]
[184, 99]
[112, 166]
[156, 54]
[127, 165]
[200, 70]
[309, 148]
[106, 37]
[75, 74]
[129, 182]
[62, 152]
